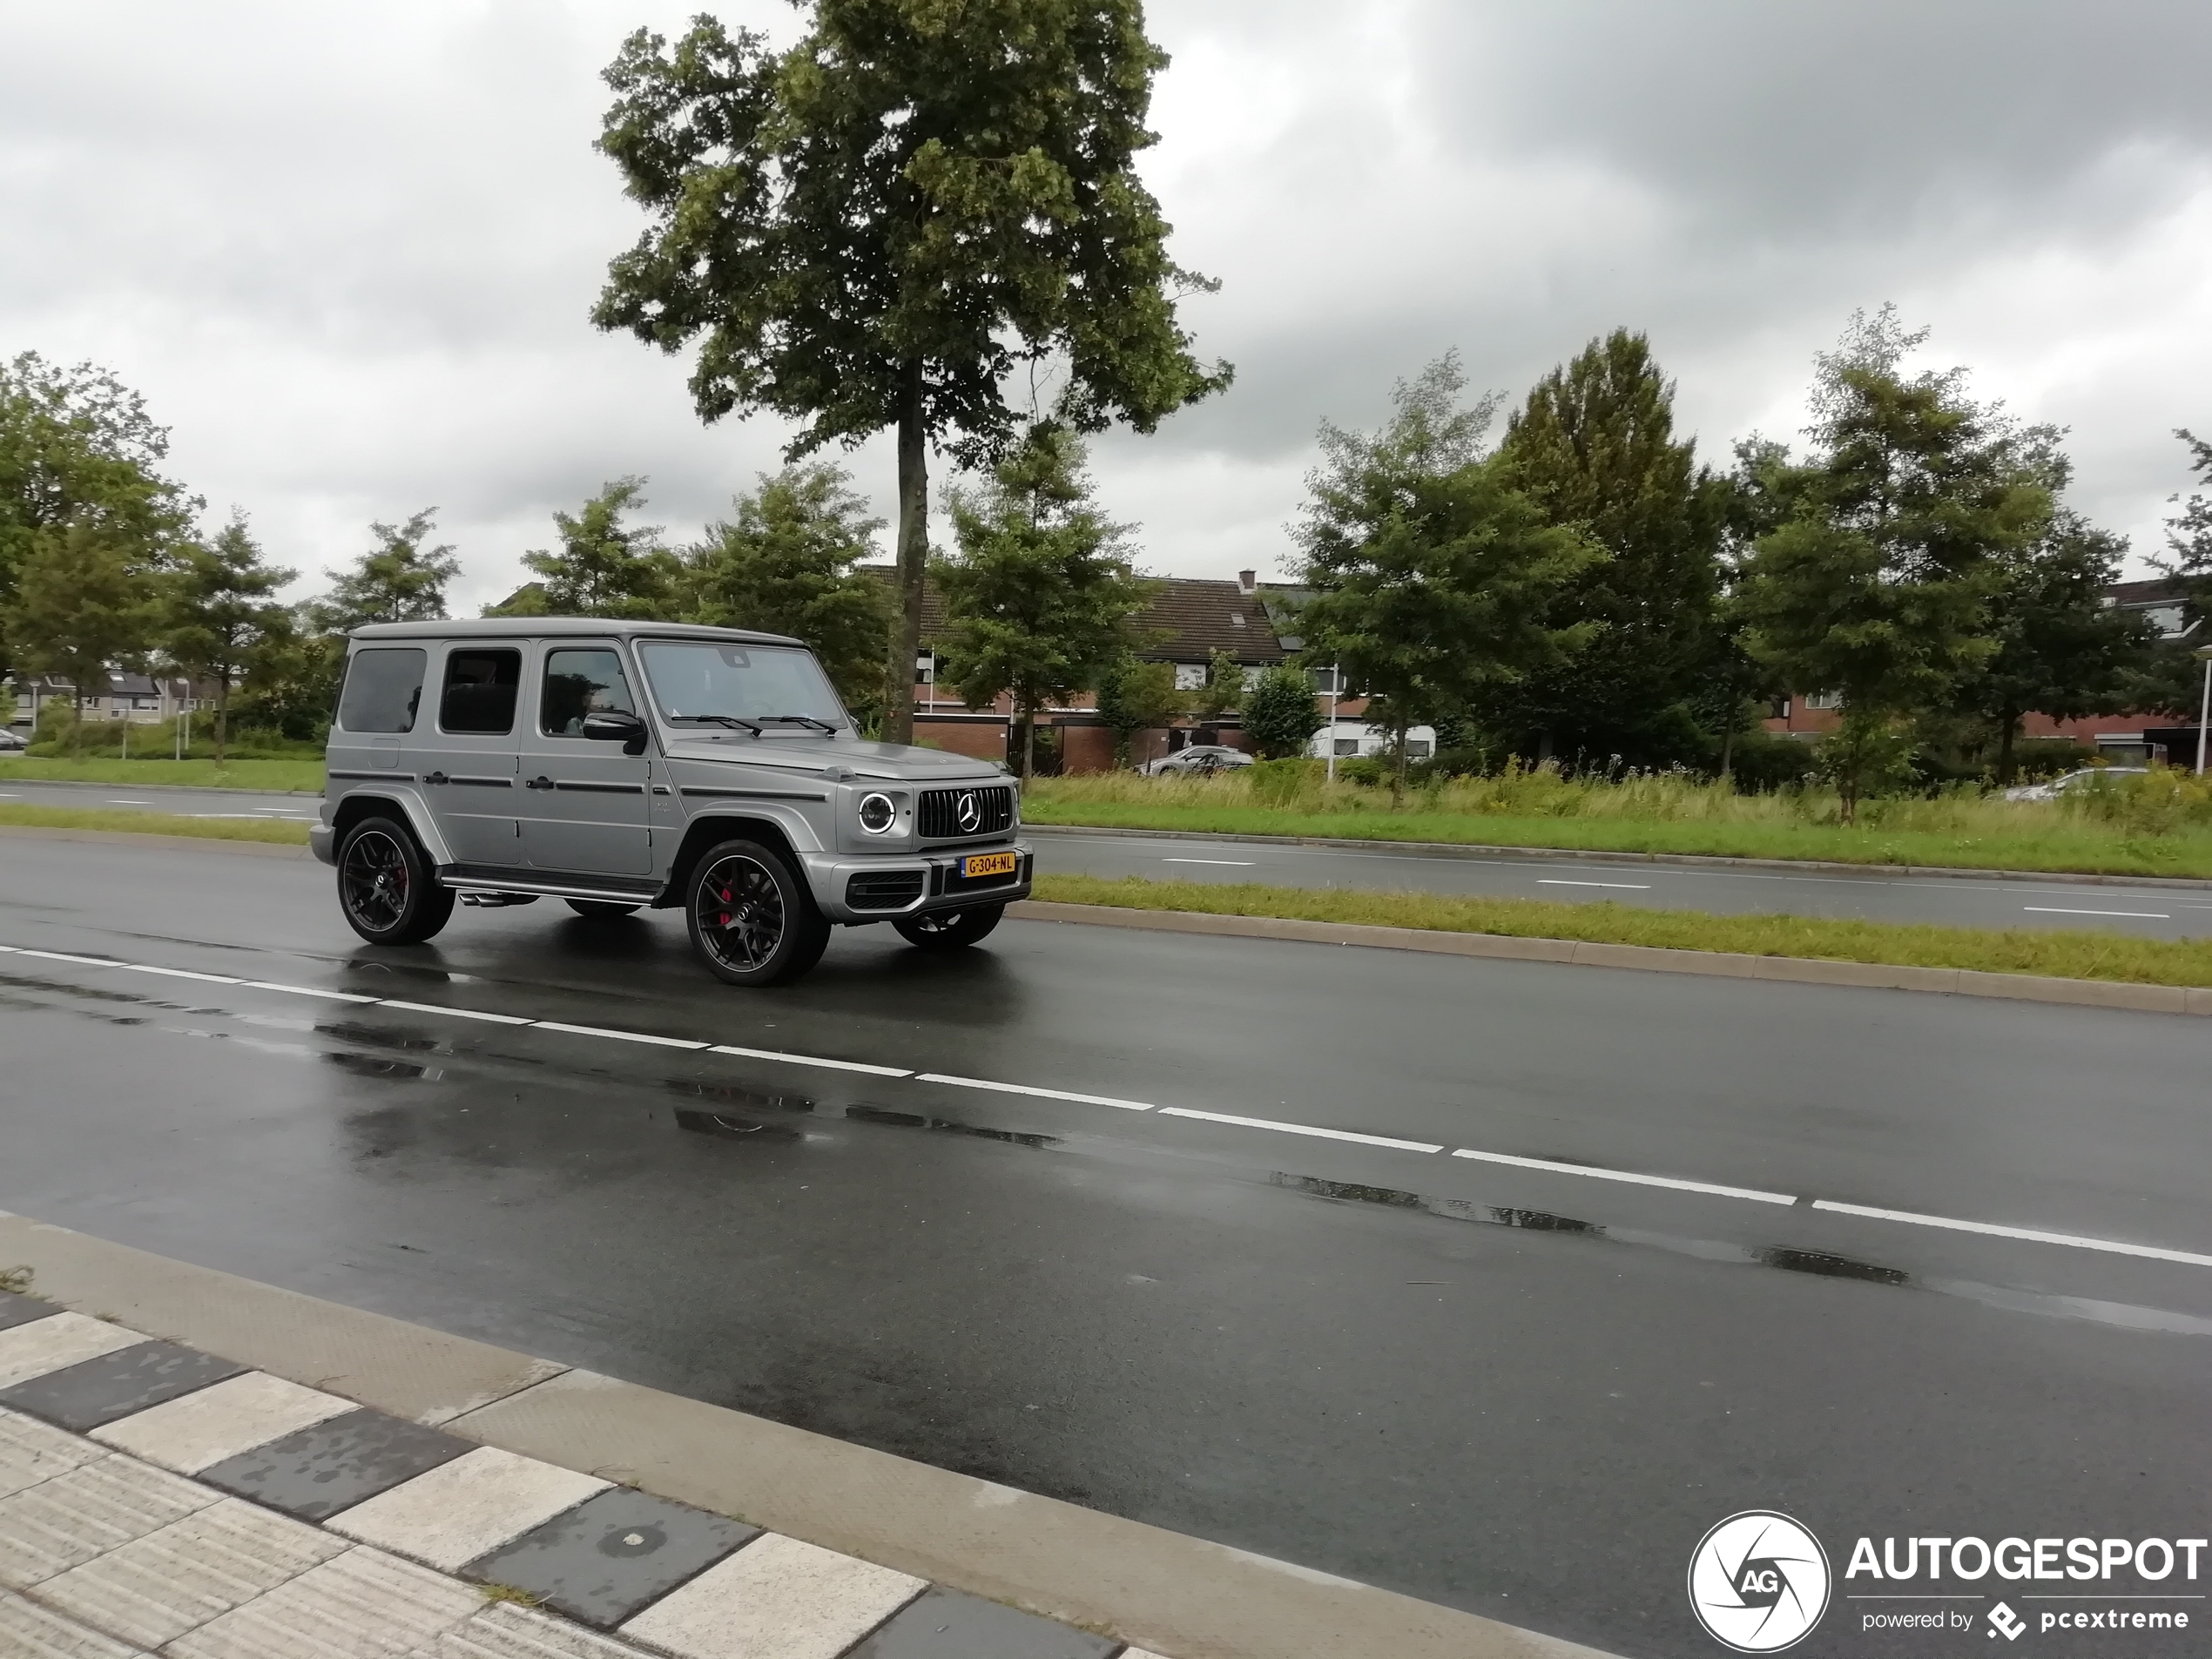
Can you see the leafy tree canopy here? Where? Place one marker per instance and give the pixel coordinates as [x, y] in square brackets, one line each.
[220, 618]
[87, 600]
[604, 567]
[1133, 697]
[1282, 713]
[400, 579]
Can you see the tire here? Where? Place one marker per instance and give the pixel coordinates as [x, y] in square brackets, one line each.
[752, 921]
[950, 929]
[386, 886]
[601, 909]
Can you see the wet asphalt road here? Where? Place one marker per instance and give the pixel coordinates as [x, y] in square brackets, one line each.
[1523, 1392]
[2153, 911]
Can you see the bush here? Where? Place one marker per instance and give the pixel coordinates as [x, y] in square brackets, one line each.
[1763, 762]
[1285, 783]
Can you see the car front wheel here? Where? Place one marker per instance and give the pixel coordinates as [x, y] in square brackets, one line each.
[386, 886]
[751, 920]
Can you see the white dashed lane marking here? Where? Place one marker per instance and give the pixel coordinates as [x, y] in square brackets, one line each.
[2055, 910]
[1242, 864]
[1548, 1166]
[1561, 881]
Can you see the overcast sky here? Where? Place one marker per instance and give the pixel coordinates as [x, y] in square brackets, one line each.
[347, 251]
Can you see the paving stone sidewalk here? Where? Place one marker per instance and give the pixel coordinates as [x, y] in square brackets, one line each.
[156, 1500]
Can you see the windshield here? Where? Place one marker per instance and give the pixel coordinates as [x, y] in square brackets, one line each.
[708, 682]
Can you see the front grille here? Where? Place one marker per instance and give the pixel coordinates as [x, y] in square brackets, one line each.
[941, 813]
[884, 889]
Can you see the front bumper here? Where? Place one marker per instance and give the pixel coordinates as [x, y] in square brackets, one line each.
[322, 841]
[940, 888]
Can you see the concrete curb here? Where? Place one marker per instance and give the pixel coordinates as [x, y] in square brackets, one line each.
[1688, 860]
[1956, 981]
[135, 838]
[1163, 1591]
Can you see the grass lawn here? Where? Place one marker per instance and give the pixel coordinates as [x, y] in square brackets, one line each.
[304, 775]
[213, 829]
[2063, 955]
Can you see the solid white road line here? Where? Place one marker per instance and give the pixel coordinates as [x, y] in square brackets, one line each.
[810, 1060]
[2032, 1235]
[1751, 1193]
[1299, 1129]
[2055, 910]
[1242, 864]
[64, 956]
[1043, 1093]
[1561, 881]
[306, 990]
[619, 1036]
[178, 973]
[458, 1014]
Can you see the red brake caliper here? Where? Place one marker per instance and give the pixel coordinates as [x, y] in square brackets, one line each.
[724, 919]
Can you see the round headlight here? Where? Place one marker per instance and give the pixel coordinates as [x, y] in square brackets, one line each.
[877, 814]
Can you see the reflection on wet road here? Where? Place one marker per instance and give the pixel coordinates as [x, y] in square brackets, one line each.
[1509, 1387]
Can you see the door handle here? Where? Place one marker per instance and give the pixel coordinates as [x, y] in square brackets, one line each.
[537, 783]
[434, 778]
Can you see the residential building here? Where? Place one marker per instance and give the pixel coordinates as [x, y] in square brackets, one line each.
[138, 699]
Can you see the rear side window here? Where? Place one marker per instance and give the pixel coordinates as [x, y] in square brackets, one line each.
[383, 688]
[578, 683]
[479, 696]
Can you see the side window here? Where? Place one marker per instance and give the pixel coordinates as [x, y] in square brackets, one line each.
[383, 688]
[578, 683]
[480, 684]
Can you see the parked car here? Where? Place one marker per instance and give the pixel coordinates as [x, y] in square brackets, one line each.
[624, 764]
[2071, 781]
[1204, 759]
[12, 743]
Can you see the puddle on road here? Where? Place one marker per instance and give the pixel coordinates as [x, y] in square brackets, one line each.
[723, 1126]
[1817, 1262]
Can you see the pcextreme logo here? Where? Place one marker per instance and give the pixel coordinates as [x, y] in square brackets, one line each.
[1758, 1581]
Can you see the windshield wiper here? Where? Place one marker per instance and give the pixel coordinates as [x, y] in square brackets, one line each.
[798, 719]
[752, 726]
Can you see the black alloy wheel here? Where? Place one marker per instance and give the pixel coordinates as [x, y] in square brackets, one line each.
[752, 921]
[950, 929]
[601, 909]
[386, 886]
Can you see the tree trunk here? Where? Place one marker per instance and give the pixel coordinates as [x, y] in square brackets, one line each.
[913, 561]
[1728, 752]
[2005, 760]
[1398, 775]
[222, 714]
[1028, 743]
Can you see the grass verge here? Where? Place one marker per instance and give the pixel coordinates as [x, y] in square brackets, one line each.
[2068, 954]
[2058, 847]
[305, 776]
[208, 829]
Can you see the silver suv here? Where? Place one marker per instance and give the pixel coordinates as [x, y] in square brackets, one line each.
[618, 765]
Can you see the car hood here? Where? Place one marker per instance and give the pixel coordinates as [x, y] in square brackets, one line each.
[893, 762]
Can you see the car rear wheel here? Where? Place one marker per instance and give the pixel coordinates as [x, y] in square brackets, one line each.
[950, 929]
[752, 921]
[386, 886]
[601, 909]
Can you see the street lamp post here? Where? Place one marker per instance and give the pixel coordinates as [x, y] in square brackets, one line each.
[2203, 705]
[1336, 696]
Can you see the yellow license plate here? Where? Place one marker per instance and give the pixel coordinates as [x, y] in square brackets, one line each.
[977, 864]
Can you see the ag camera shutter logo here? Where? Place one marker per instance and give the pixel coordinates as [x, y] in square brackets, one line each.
[1758, 1581]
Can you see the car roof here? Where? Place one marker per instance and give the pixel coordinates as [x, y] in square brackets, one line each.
[563, 628]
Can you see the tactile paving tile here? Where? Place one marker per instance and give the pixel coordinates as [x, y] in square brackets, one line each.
[29, 1631]
[155, 1588]
[317, 1472]
[363, 1604]
[61, 1523]
[22, 1309]
[93, 1391]
[611, 1554]
[505, 1631]
[776, 1599]
[31, 1451]
[62, 1339]
[218, 1422]
[946, 1624]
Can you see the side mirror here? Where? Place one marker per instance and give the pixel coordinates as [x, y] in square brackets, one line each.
[614, 726]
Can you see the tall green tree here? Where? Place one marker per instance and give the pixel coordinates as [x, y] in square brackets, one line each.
[1040, 594]
[1224, 690]
[2188, 533]
[78, 448]
[1281, 713]
[1135, 695]
[1878, 584]
[2061, 648]
[220, 618]
[883, 225]
[1436, 580]
[784, 564]
[402, 578]
[87, 599]
[1594, 447]
[604, 566]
